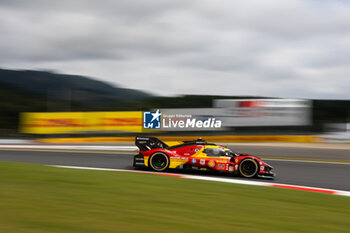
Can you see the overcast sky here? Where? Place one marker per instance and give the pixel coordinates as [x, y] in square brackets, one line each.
[283, 48]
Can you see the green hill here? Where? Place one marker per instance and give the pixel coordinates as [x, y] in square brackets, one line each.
[62, 86]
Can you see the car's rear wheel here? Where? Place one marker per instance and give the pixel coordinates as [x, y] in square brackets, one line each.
[248, 168]
[159, 161]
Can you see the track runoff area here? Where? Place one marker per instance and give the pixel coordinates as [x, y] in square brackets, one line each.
[226, 180]
[51, 155]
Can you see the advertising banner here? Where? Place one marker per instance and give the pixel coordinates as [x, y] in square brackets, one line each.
[80, 122]
[52, 122]
[264, 112]
[226, 113]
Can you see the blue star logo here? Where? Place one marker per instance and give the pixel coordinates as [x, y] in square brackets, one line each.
[151, 120]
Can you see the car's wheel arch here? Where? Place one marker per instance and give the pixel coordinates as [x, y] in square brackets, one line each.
[249, 159]
[150, 165]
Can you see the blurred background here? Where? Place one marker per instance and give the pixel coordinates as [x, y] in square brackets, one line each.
[91, 69]
[47, 104]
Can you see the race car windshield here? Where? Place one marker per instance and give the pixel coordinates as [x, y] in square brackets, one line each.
[230, 153]
[217, 152]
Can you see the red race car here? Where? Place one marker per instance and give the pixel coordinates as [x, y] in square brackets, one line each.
[199, 155]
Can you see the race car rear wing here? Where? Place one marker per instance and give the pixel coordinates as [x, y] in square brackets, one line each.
[149, 143]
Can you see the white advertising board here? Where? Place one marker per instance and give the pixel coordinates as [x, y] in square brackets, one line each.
[264, 112]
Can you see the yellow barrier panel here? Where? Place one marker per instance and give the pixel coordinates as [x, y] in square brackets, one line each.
[174, 139]
[80, 122]
[52, 122]
[123, 121]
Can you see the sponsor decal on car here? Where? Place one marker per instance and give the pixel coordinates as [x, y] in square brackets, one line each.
[211, 163]
[202, 162]
[194, 161]
[221, 161]
[221, 166]
[181, 158]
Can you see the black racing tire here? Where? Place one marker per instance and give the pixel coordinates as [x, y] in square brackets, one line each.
[248, 168]
[159, 161]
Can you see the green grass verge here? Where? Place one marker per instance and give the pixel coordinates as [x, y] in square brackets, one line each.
[35, 198]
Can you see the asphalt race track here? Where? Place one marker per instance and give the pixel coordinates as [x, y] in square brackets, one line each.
[322, 152]
[315, 174]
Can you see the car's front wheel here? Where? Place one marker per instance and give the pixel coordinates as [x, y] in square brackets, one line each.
[159, 161]
[248, 168]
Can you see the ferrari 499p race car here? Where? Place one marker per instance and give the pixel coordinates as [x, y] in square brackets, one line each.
[199, 155]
